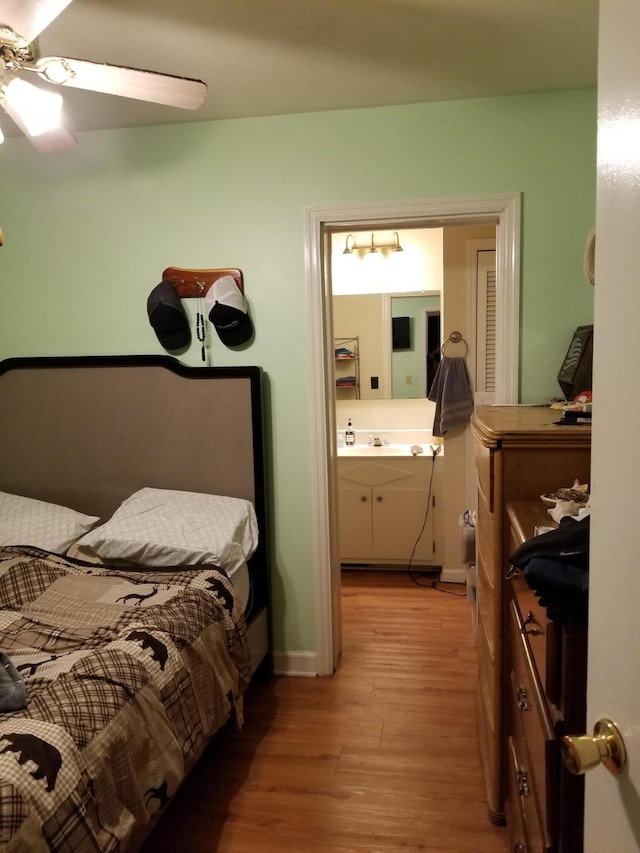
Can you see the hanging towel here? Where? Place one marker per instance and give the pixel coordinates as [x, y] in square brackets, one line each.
[451, 392]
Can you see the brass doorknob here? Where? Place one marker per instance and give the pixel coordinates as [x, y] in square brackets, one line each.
[581, 752]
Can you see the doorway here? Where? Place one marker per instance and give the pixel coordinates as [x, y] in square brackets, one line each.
[469, 210]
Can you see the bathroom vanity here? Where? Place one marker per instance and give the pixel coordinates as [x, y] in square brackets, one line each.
[389, 508]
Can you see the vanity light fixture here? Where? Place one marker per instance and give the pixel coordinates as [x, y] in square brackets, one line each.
[350, 245]
[348, 249]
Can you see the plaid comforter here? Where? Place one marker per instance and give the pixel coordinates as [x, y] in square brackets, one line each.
[127, 675]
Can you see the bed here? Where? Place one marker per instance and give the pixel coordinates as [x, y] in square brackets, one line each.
[135, 613]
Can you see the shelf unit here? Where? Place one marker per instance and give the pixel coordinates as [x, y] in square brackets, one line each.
[347, 366]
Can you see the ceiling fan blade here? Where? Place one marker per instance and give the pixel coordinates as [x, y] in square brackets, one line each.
[28, 18]
[127, 82]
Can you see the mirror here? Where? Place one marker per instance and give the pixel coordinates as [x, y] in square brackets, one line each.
[395, 342]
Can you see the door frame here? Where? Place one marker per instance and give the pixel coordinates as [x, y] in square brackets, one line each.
[505, 209]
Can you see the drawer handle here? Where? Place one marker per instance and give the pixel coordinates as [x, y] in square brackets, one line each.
[521, 692]
[523, 783]
[518, 848]
[379, 499]
[530, 620]
[363, 499]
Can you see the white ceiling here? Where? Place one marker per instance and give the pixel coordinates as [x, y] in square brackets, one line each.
[271, 57]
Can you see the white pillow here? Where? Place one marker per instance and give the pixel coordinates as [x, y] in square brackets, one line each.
[26, 521]
[164, 527]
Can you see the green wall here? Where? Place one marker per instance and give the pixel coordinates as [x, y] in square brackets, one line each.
[89, 231]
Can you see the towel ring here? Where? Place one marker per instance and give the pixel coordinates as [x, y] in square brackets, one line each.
[455, 338]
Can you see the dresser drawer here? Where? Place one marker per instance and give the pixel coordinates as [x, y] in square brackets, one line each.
[532, 725]
[485, 473]
[538, 627]
[525, 829]
[486, 598]
[515, 813]
[488, 674]
[486, 535]
[491, 757]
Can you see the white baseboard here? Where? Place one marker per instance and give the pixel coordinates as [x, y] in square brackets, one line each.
[295, 663]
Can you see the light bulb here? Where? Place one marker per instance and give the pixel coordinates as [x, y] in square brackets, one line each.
[36, 110]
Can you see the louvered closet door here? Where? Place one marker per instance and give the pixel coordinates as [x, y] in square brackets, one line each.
[486, 328]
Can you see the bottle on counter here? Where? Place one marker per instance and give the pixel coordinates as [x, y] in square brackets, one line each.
[349, 435]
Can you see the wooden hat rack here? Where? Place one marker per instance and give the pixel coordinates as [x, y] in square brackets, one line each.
[191, 284]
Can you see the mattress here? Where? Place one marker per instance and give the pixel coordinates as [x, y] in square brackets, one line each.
[242, 585]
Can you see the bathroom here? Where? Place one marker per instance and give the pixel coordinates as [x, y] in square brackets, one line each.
[393, 309]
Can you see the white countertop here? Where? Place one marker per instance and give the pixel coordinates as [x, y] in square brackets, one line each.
[365, 450]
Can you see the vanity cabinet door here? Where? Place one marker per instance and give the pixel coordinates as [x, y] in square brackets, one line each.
[356, 538]
[385, 525]
[398, 519]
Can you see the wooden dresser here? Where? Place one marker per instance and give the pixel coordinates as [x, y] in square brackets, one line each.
[520, 454]
[546, 654]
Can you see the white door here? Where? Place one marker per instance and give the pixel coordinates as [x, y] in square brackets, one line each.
[612, 806]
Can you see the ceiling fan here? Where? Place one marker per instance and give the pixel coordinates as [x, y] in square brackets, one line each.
[35, 110]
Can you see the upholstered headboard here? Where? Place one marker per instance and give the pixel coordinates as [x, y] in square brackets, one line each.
[87, 432]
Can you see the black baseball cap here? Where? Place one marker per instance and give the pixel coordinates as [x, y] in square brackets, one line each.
[226, 309]
[167, 317]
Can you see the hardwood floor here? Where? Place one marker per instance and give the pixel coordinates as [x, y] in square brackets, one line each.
[380, 758]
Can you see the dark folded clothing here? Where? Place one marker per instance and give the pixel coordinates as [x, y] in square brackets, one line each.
[569, 543]
[557, 581]
[12, 692]
[556, 564]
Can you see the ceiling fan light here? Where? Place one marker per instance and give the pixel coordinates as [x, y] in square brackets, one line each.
[34, 109]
